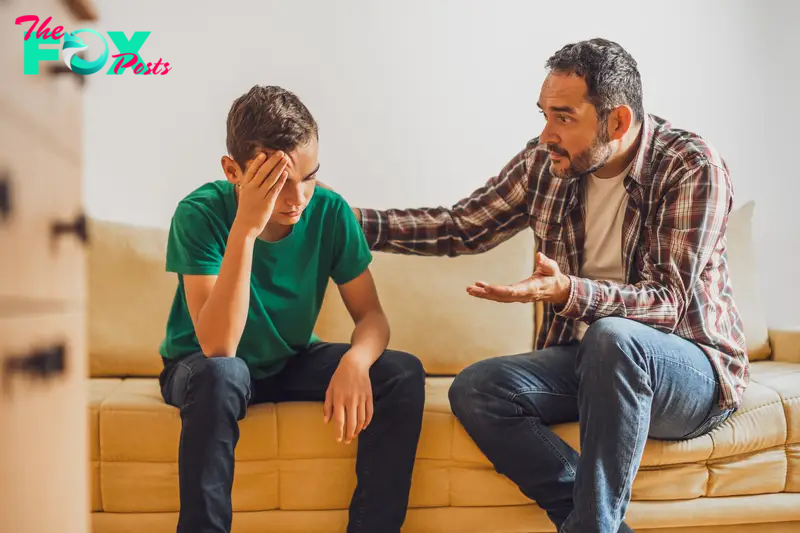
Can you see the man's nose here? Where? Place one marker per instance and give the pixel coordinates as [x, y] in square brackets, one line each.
[548, 136]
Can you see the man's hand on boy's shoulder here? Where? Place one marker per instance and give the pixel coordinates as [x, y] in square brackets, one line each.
[348, 400]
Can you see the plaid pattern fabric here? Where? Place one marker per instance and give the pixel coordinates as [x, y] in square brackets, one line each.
[679, 198]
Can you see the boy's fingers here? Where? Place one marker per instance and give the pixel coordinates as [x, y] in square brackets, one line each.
[261, 166]
[362, 416]
[253, 167]
[273, 192]
[339, 419]
[269, 173]
[352, 421]
[327, 409]
[369, 412]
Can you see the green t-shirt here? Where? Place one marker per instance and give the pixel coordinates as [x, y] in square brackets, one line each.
[288, 279]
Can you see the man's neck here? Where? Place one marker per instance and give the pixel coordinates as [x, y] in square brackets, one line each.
[628, 146]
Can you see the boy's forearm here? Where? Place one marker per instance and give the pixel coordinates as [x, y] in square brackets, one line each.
[370, 338]
[224, 314]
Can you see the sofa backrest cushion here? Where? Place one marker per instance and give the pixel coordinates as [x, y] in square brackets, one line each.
[742, 267]
[430, 313]
[130, 295]
[432, 316]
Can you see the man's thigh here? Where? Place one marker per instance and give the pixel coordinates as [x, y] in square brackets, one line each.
[543, 383]
[684, 384]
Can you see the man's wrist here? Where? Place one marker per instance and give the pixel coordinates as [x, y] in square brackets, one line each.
[564, 287]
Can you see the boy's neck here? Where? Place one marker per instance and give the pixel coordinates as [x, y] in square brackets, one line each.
[275, 232]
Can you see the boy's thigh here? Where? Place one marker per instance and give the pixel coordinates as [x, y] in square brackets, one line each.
[307, 375]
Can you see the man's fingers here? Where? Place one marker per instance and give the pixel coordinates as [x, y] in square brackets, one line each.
[496, 294]
[545, 265]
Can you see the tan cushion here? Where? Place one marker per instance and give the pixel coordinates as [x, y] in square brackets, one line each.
[743, 270]
[433, 317]
[283, 446]
[129, 299]
[785, 345]
[753, 514]
[280, 447]
[99, 390]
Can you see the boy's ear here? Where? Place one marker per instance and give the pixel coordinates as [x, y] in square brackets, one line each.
[231, 169]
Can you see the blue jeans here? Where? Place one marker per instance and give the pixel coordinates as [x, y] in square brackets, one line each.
[213, 394]
[624, 382]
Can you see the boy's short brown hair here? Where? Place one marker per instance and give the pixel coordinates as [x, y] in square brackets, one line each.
[268, 117]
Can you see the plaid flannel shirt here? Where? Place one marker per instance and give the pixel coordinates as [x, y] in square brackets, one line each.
[676, 274]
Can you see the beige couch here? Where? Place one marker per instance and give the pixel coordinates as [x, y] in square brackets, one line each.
[292, 477]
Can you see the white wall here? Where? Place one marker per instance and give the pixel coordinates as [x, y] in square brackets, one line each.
[420, 101]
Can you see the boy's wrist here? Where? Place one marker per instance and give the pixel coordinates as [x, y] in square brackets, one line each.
[243, 232]
[358, 357]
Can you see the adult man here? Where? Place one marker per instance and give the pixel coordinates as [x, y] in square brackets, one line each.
[640, 333]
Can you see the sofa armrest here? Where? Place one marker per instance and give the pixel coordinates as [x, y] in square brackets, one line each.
[785, 345]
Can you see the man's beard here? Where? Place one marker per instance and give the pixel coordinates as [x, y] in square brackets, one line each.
[585, 163]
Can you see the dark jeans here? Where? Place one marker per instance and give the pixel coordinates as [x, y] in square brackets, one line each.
[622, 383]
[213, 394]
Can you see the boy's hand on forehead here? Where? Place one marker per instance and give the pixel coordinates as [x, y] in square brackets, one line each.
[263, 180]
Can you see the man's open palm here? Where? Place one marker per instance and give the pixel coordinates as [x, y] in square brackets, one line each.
[546, 284]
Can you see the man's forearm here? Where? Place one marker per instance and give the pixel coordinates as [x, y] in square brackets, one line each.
[223, 316]
[370, 338]
[490, 215]
[649, 302]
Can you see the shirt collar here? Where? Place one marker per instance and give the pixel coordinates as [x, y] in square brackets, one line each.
[640, 169]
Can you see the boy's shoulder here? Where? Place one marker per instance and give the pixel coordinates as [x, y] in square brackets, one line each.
[329, 201]
[209, 200]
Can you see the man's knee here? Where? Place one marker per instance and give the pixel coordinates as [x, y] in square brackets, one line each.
[474, 386]
[606, 345]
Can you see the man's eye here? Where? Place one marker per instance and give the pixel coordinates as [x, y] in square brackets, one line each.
[311, 178]
[563, 118]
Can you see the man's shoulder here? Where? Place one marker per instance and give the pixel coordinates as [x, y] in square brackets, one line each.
[688, 149]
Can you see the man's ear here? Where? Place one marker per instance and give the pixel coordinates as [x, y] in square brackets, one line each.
[620, 121]
[231, 169]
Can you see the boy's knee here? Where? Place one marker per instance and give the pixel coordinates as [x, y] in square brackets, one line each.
[406, 372]
[220, 379]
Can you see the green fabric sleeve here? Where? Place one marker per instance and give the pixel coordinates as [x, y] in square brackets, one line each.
[351, 253]
[192, 245]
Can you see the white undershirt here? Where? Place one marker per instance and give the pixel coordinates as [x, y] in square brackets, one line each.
[605, 200]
